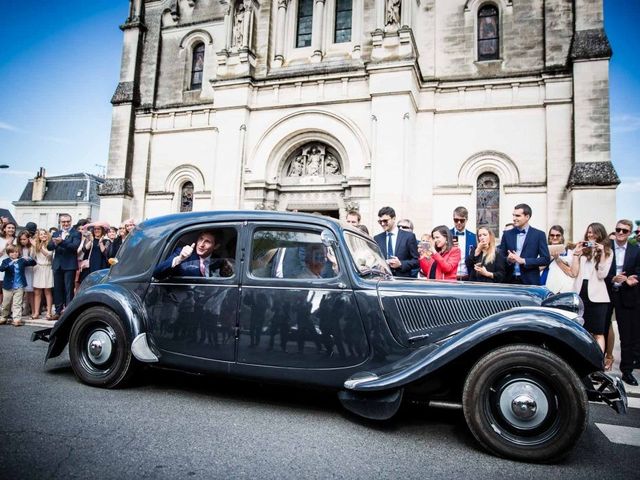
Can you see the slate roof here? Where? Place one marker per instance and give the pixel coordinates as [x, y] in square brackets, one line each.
[65, 188]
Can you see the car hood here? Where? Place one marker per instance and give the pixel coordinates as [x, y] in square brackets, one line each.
[429, 310]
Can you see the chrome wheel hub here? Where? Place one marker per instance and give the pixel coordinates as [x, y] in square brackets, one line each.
[523, 404]
[99, 347]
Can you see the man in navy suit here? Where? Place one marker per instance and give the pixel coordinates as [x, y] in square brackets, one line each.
[399, 247]
[195, 260]
[64, 243]
[622, 283]
[525, 248]
[464, 239]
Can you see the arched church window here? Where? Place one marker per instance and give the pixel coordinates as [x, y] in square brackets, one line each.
[197, 67]
[344, 10]
[488, 33]
[305, 20]
[186, 197]
[488, 202]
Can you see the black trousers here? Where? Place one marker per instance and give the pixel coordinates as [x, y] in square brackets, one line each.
[63, 286]
[629, 328]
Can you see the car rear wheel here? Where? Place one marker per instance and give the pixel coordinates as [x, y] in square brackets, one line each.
[98, 348]
[526, 403]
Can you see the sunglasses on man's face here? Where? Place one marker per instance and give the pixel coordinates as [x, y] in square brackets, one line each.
[459, 220]
[383, 221]
[623, 230]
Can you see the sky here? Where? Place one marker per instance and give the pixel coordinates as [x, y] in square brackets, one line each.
[59, 67]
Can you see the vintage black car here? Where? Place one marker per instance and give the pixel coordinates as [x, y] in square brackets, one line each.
[303, 299]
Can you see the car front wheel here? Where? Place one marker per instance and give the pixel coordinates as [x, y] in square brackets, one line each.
[526, 403]
[98, 349]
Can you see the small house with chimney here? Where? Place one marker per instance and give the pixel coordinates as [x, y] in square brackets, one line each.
[44, 199]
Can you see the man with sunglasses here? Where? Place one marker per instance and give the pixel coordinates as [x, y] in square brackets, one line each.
[64, 243]
[399, 246]
[464, 239]
[622, 282]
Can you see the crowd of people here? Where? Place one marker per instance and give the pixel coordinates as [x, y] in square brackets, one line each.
[603, 268]
[41, 268]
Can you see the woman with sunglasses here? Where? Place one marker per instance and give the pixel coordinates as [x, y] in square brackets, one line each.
[557, 275]
[592, 259]
[439, 260]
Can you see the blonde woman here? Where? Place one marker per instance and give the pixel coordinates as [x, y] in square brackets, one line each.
[486, 263]
[26, 251]
[592, 259]
[42, 273]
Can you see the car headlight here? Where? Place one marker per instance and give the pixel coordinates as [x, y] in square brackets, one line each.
[566, 301]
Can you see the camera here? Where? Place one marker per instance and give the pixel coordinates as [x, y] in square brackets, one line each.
[589, 244]
[424, 246]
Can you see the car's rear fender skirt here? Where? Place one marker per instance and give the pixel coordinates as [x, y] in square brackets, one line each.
[536, 323]
[122, 301]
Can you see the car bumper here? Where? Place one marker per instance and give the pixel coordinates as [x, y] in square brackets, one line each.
[607, 389]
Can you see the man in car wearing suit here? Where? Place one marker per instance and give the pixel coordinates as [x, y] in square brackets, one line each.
[195, 260]
[399, 247]
[64, 243]
[464, 239]
[525, 248]
[622, 283]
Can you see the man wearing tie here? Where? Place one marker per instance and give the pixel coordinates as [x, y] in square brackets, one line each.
[399, 247]
[464, 239]
[525, 249]
[64, 243]
[195, 260]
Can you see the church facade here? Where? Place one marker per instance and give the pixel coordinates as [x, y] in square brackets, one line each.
[333, 105]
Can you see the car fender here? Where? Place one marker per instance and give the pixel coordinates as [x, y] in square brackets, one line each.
[559, 326]
[122, 301]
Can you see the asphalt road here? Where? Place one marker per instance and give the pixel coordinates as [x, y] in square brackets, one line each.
[172, 425]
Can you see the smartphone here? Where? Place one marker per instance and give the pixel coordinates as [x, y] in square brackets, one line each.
[424, 245]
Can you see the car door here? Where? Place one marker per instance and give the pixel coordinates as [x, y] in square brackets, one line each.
[296, 307]
[194, 315]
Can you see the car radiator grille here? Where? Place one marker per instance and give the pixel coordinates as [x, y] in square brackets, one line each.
[419, 314]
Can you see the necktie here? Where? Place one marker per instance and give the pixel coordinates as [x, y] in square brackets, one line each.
[459, 234]
[520, 232]
[202, 269]
[389, 245]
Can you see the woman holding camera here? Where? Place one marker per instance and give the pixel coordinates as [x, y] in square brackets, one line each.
[439, 258]
[96, 248]
[486, 263]
[592, 259]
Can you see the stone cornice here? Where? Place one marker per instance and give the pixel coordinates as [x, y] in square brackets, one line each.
[591, 174]
[590, 44]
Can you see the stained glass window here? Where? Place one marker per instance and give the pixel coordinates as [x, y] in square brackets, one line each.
[186, 198]
[488, 33]
[197, 67]
[305, 21]
[488, 202]
[343, 21]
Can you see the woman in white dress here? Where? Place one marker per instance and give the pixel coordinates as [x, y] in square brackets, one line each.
[42, 273]
[7, 237]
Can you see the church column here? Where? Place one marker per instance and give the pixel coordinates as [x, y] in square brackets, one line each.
[281, 17]
[228, 26]
[317, 30]
[405, 13]
[380, 6]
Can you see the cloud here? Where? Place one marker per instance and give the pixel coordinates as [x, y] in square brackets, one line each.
[11, 128]
[629, 185]
[625, 123]
[19, 173]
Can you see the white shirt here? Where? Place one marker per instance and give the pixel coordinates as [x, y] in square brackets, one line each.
[462, 245]
[620, 254]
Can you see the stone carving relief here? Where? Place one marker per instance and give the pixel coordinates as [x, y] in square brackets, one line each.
[313, 160]
[392, 14]
[242, 12]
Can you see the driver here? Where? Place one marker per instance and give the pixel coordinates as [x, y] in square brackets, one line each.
[195, 260]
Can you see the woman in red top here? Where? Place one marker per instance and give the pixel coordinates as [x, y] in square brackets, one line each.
[440, 260]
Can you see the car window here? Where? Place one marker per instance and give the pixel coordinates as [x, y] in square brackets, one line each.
[366, 255]
[291, 254]
[206, 252]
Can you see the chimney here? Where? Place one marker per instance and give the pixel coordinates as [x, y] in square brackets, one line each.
[39, 186]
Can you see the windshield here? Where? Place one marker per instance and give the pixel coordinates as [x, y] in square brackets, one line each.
[366, 256]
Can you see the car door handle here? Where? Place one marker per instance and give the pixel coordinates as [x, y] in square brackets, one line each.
[342, 285]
